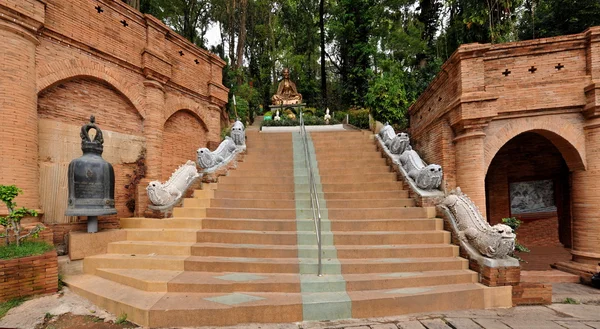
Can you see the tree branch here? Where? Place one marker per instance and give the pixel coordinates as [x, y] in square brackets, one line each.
[333, 62]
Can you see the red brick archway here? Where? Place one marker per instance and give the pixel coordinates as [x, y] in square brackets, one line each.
[184, 132]
[565, 135]
[529, 179]
[52, 73]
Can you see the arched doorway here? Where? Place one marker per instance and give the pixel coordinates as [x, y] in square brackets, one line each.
[529, 179]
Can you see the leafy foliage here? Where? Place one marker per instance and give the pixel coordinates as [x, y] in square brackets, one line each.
[344, 54]
[514, 223]
[359, 118]
[12, 222]
[387, 98]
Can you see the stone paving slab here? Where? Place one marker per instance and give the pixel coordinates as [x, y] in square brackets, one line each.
[435, 324]
[463, 323]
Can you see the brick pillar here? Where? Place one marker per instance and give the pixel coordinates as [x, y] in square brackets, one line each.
[153, 131]
[470, 166]
[18, 99]
[585, 194]
[586, 200]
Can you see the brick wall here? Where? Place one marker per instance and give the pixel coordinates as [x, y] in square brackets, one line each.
[79, 57]
[29, 276]
[183, 135]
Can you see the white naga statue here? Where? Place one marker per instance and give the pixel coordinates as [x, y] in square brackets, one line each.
[238, 134]
[496, 241]
[170, 192]
[426, 177]
[277, 117]
[209, 161]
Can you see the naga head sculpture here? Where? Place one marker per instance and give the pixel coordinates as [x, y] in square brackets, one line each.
[157, 194]
[387, 132]
[399, 144]
[430, 177]
[237, 133]
[205, 158]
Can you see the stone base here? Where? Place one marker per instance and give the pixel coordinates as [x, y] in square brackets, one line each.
[496, 276]
[83, 244]
[532, 293]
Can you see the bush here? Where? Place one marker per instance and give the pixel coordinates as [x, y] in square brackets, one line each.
[387, 99]
[339, 116]
[359, 118]
[12, 222]
[514, 223]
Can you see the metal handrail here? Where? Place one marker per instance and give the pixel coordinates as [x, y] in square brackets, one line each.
[314, 199]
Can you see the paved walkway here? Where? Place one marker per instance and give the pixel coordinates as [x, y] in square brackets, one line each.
[555, 316]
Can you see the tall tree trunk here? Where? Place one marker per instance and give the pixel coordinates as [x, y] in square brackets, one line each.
[242, 37]
[323, 72]
[232, 34]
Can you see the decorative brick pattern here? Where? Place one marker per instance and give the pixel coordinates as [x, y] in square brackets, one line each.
[28, 276]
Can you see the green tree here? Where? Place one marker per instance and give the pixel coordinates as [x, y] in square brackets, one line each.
[12, 222]
[548, 18]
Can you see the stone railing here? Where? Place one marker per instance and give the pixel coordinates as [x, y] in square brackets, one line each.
[165, 196]
[423, 180]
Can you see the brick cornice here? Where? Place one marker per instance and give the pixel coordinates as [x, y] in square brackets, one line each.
[30, 16]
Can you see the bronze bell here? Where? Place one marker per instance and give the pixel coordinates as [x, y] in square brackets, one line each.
[91, 180]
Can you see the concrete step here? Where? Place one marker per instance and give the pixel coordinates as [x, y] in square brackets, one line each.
[311, 251]
[305, 203]
[162, 223]
[134, 261]
[267, 164]
[339, 213]
[240, 172]
[349, 225]
[230, 282]
[308, 238]
[184, 309]
[355, 177]
[150, 248]
[345, 195]
[162, 234]
[326, 187]
[309, 265]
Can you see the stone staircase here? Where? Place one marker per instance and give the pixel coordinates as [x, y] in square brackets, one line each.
[244, 250]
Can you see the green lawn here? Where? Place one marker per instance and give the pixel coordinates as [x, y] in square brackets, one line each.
[27, 248]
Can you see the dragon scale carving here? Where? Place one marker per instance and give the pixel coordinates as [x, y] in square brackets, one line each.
[496, 241]
[210, 161]
[170, 192]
